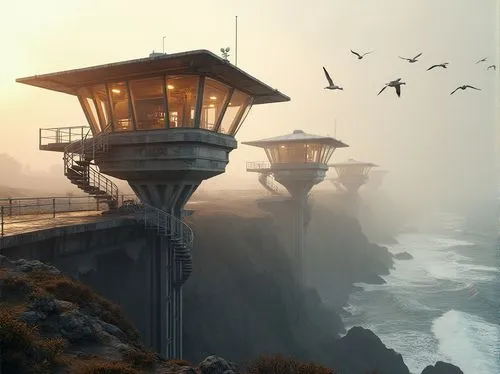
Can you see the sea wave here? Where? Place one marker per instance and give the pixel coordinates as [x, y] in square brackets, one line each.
[468, 341]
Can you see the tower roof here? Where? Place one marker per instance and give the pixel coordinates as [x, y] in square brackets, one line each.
[192, 62]
[297, 136]
[353, 162]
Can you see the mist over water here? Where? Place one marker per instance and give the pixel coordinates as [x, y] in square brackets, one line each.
[443, 304]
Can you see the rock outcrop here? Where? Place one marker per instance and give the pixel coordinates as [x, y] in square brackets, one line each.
[403, 256]
[442, 368]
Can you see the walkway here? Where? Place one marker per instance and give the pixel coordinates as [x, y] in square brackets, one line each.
[15, 225]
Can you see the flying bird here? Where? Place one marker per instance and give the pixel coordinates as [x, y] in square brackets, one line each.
[481, 60]
[331, 85]
[360, 56]
[413, 59]
[396, 84]
[463, 88]
[443, 65]
[492, 67]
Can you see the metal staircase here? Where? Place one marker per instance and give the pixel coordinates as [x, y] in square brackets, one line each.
[267, 180]
[179, 234]
[79, 170]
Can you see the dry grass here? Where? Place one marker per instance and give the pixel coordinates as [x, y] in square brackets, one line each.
[99, 366]
[180, 362]
[140, 359]
[66, 289]
[277, 364]
[23, 349]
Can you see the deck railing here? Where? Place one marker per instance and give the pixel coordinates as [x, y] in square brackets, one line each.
[62, 135]
[257, 165]
[30, 209]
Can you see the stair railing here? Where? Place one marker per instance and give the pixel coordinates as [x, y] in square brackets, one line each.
[87, 147]
[177, 232]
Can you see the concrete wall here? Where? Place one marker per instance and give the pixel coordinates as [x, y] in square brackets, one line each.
[116, 258]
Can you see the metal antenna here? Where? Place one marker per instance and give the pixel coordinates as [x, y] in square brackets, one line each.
[236, 44]
[335, 129]
[163, 42]
[225, 53]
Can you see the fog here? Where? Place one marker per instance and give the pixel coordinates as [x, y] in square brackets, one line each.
[440, 149]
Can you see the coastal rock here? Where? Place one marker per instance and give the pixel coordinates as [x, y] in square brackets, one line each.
[217, 365]
[76, 326]
[403, 256]
[442, 368]
[361, 351]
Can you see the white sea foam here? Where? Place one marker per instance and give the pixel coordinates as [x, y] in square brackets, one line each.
[468, 341]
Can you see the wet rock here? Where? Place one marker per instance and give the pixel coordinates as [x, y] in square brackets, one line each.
[32, 317]
[442, 368]
[403, 256]
[28, 266]
[76, 326]
[113, 330]
[217, 365]
[45, 305]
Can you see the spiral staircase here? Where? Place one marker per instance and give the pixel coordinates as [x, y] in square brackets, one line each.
[79, 169]
[268, 182]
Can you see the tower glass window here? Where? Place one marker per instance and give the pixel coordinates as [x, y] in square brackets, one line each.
[237, 105]
[102, 107]
[121, 107]
[182, 93]
[215, 95]
[89, 108]
[149, 103]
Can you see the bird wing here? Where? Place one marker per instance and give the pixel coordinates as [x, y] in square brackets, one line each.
[328, 77]
[382, 90]
[367, 53]
[357, 54]
[404, 58]
[467, 86]
[491, 66]
[481, 60]
[452, 92]
[417, 56]
[432, 67]
[398, 90]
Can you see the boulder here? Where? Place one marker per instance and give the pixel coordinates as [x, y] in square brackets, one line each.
[403, 256]
[442, 368]
[217, 365]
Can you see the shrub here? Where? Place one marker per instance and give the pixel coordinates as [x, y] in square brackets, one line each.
[97, 366]
[277, 364]
[140, 359]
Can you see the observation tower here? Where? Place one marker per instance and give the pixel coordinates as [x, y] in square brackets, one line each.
[297, 161]
[164, 124]
[376, 179]
[352, 175]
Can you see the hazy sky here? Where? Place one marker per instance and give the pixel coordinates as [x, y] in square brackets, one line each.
[427, 138]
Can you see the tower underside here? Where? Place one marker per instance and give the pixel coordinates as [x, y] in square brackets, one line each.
[164, 168]
[298, 179]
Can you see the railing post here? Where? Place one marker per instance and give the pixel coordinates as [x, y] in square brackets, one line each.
[1, 220]
[53, 207]
[10, 207]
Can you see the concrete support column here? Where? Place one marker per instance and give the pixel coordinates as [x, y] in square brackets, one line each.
[169, 196]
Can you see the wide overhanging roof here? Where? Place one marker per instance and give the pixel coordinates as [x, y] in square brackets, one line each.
[298, 136]
[352, 162]
[192, 62]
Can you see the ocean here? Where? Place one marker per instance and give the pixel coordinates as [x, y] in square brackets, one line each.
[442, 305]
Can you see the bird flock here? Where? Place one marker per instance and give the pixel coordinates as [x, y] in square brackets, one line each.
[397, 83]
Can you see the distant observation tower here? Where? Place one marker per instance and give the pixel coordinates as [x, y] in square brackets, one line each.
[375, 179]
[297, 161]
[352, 175]
[164, 124]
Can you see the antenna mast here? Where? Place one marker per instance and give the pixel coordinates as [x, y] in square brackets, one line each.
[163, 43]
[236, 44]
[335, 129]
